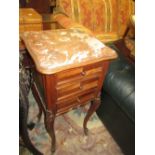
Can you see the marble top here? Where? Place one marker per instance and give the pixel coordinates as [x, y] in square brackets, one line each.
[57, 50]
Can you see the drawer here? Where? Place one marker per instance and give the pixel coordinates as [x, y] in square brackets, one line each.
[69, 76]
[89, 83]
[70, 94]
[91, 77]
[77, 88]
[71, 84]
[87, 96]
[78, 74]
[68, 104]
[79, 99]
[93, 71]
[68, 88]
[68, 83]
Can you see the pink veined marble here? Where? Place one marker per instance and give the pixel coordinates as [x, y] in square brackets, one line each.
[57, 50]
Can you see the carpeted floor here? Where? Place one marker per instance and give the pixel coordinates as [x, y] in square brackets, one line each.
[70, 138]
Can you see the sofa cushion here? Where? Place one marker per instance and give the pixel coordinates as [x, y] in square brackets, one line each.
[120, 85]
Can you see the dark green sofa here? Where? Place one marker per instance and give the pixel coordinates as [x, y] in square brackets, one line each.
[117, 109]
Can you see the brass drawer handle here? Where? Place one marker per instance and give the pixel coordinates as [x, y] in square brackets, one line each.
[83, 73]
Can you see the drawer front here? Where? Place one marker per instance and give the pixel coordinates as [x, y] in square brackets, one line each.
[90, 83]
[77, 89]
[67, 103]
[87, 95]
[70, 103]
[68, 83]
[68, 88]
[68, 76]
[93, 71]
[77, 86]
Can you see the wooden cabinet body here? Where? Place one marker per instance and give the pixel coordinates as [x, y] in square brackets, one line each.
[68, 89]
[70, 69]
[73, 87]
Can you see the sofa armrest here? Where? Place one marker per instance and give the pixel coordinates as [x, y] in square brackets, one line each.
[120, 84]
[67, 22]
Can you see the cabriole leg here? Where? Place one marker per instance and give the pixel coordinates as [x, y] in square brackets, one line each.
[93, 107]
[49, 124]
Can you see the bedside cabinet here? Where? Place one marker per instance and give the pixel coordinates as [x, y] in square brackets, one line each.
[70, 70]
